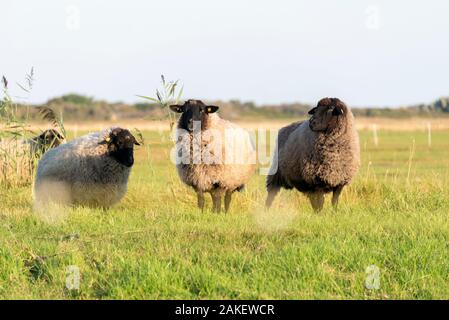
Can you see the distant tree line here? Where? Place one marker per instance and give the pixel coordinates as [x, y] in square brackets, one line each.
[79, 107]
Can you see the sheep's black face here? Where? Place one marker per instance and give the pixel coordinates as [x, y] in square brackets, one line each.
[49, 138]
[121, 146]
[326, 114]
[194, 113]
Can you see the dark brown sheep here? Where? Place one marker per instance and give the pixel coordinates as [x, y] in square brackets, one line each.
[48, 139]
[316, 156]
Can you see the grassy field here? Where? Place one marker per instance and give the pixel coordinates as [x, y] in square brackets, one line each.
[155, 244]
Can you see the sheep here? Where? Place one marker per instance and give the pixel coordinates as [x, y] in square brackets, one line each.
[214, 156]
[316, 156]
[19, 156]
[92, 170]
[48, 139]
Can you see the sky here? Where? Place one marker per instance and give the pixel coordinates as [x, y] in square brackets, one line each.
[368, 53]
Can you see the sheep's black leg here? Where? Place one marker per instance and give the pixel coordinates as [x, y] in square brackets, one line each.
[335, 195]
[200, 200]
[216, 199]
[272, 192]
[227, 200]
[317, 200]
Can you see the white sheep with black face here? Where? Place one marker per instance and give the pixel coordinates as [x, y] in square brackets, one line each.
[214, 155]
[91, 170]
[316, 156]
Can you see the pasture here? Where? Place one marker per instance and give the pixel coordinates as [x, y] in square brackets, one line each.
[156, 244]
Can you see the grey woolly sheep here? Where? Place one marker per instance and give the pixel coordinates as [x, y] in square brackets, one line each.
[214, 155]
[92, 170]
[316, 156]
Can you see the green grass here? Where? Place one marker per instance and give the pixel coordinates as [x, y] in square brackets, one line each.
[155, 244]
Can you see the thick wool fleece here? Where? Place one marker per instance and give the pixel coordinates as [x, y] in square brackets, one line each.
[81, 172]
[233, 153]
[316, 161]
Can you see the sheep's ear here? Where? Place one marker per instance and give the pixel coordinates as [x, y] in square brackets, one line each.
[106, 140]
[337, 111]
[139, 139]
[211, 109]
[312, 111]
[136, 142]
[177, 108]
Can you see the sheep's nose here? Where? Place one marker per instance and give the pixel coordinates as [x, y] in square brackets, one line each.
[130, 162]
